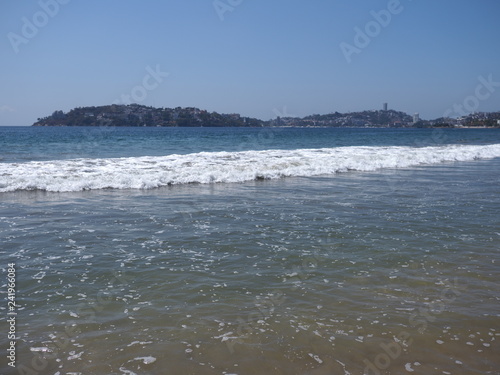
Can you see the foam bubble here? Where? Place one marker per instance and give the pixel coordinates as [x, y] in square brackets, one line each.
[218, 167]
[146, 360]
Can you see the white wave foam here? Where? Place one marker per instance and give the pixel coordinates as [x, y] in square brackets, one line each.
[213, 167]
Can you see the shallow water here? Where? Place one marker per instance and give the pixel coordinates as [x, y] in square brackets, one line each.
[390, 271]
[311, 275]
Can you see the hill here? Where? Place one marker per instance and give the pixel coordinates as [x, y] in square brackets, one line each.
[139, 115]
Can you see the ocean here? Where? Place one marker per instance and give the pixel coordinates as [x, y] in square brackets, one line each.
[249, 251]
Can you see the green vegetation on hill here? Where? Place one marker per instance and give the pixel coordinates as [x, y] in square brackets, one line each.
[139, 115]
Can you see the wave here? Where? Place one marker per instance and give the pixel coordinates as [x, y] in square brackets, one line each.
[215, 167]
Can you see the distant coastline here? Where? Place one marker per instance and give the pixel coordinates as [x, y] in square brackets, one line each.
[136, 115]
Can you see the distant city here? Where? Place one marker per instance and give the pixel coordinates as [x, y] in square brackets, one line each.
[139, 115]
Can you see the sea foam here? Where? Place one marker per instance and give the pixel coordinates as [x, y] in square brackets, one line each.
[219, 167]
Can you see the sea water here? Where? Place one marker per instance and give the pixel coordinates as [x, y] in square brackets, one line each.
[251, 251]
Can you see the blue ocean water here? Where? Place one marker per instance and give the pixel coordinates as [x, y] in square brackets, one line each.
[20, 144]
[251, 251]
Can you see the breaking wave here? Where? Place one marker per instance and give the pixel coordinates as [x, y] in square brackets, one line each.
[218, 167]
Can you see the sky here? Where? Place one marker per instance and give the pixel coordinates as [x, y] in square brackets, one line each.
[259, 58]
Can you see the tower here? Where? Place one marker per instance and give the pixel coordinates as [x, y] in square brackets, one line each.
[385, 106]
[416, 118]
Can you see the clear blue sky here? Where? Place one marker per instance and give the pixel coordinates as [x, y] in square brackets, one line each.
[263, 57]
